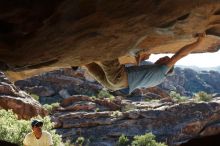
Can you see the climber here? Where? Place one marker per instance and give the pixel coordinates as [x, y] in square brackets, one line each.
[116, 76]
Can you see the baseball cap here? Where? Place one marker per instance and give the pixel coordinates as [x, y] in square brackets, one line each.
[37, 123]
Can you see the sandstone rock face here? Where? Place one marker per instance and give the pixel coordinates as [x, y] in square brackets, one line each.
[57, 85]
[20, 102]
[187, 81]
[171, 123]
[62, 83]
[63, 33]
[104, 120]
[150, 93]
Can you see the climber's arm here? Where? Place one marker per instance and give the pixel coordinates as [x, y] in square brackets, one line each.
[184, 51]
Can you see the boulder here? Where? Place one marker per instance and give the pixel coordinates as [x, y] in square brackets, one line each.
[41, 91]
[187, 81]
[110, 105]
[64, 93]
[19, 101]
[59, 82]
[80, 106]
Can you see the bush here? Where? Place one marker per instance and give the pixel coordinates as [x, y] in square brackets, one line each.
[11, 129]
[111, 98]
[116, 114]
[123, 141]
[80, 141]
[141, 140]
[68, 143]
[177, 97]
[104, 94]
[203, 96]
[36, 97]
[50, 107]
[14, 130]
[146, 140]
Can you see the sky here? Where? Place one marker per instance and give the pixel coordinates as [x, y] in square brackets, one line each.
[198, 59]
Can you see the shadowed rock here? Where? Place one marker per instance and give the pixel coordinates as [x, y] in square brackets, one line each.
[4, 143]
[61, 33]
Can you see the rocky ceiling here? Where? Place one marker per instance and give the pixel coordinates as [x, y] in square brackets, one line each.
[35, 33]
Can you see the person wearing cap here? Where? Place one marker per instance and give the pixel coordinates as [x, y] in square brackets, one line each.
[38, 137]
[116, 76]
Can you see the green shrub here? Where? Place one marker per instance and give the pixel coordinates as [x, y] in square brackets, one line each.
[123, 141]
[203, 96]
[146, 140]
[116, 114]
[11, 129]
[50, 107]
[177, 97]
[93, 97]
[35, 96]
[112, 98]
[14, 130]
[104, 94]
[97, 110]
[80, 141]
[68, 143]
[151, 100]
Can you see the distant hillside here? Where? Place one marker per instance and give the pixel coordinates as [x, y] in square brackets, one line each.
[196, 68]
[188, 81]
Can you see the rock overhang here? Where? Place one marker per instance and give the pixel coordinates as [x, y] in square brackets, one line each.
[73, 33]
